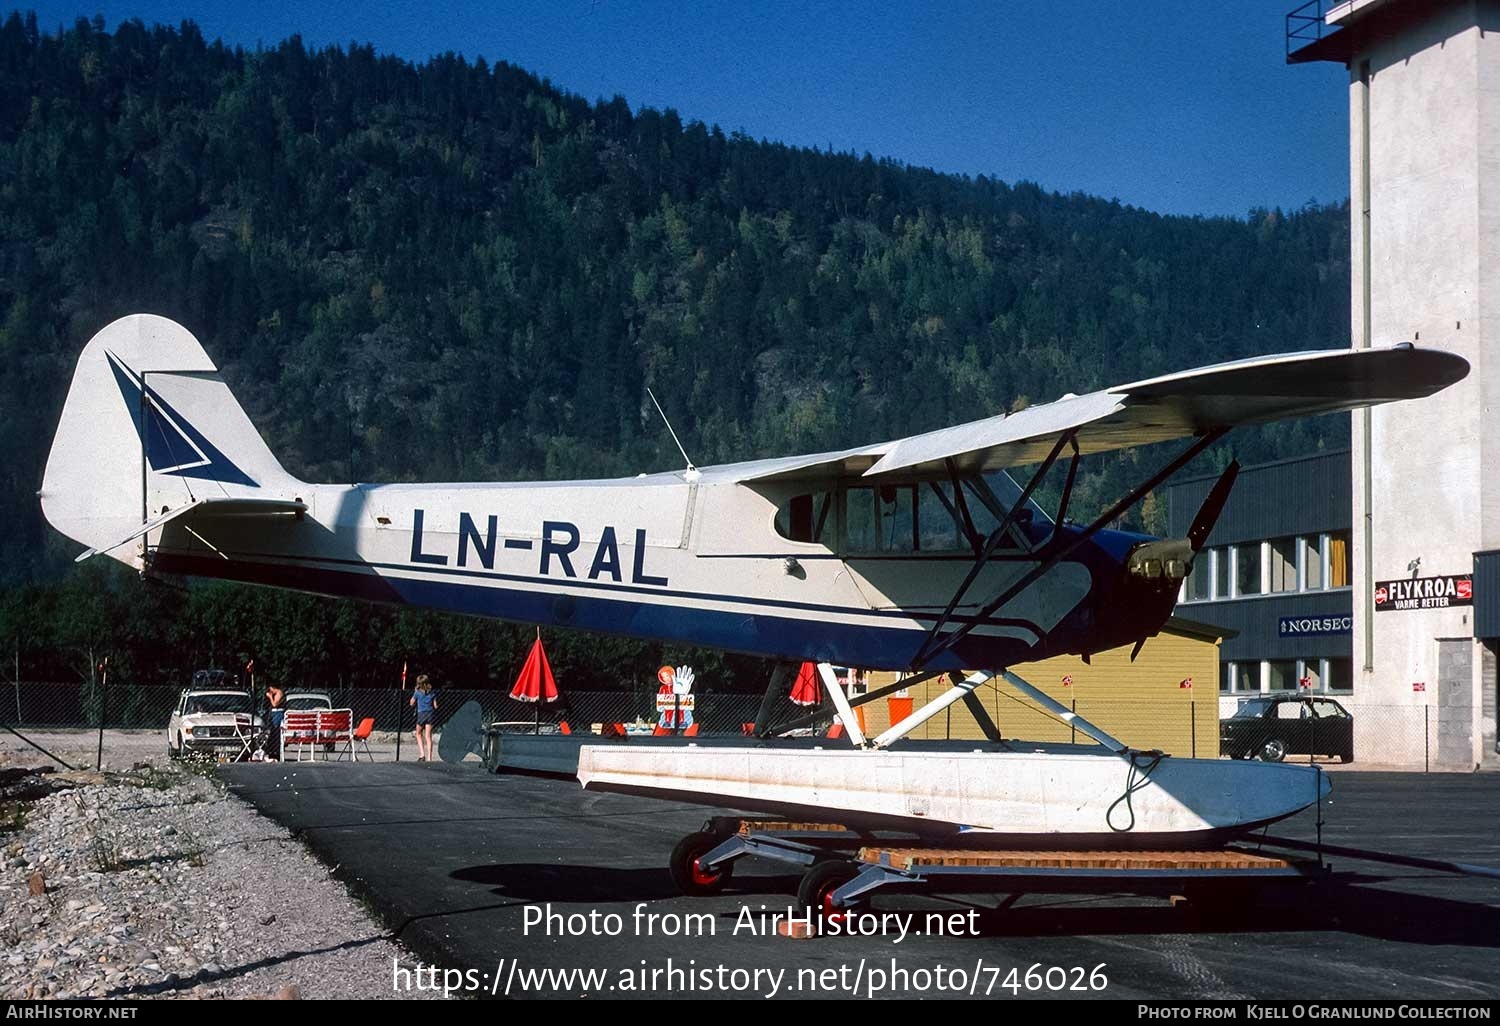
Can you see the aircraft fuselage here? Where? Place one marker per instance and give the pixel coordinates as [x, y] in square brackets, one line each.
[695, 562]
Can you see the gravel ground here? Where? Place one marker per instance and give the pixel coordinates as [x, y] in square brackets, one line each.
[125, 748]
[158, 883]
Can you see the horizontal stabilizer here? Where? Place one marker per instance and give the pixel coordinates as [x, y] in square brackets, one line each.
[207, 509]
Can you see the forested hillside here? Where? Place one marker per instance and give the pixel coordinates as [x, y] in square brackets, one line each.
[453, 270]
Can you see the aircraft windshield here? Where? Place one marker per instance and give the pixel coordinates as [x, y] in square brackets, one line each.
[1004, 493]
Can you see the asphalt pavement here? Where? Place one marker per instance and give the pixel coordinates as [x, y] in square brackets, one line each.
[512, 880]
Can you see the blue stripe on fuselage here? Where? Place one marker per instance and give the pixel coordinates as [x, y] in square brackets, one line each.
[752, 633]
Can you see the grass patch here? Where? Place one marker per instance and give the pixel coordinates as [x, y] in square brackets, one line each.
[12, 817]
[151, 778]
[105, 853]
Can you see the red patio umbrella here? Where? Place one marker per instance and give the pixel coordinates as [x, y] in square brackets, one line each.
[536, 683]
[805, 689]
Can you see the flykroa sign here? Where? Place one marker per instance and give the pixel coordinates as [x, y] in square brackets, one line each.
[1425, 592]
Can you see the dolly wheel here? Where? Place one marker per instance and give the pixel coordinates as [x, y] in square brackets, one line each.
[688, 875]
[815, 892]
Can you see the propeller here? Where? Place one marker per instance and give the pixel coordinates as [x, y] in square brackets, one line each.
[1213, 505]
[1167, 559]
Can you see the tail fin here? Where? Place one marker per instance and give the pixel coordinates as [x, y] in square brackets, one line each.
[149, 426]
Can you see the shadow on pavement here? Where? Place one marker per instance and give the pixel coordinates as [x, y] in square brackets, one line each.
[531, 882]
[1348, 906]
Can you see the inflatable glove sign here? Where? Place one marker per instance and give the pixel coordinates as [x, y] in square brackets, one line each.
[682, 680]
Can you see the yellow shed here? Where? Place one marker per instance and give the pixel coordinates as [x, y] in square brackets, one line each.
[1143, 703]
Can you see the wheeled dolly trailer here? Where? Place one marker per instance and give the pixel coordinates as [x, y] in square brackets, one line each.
[845, 867]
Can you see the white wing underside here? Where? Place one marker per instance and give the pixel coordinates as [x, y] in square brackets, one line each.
[1159, 409]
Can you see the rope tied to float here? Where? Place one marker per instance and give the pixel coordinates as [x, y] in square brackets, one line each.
[1142, 765]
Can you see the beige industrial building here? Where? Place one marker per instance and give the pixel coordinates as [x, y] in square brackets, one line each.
[1165, 698]
[1424, 139]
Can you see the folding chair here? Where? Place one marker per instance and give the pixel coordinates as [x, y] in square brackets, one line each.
[361, 736]
[299, 729]
[335, 728]
[244, 733]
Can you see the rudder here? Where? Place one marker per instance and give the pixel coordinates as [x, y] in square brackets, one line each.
[148, 426]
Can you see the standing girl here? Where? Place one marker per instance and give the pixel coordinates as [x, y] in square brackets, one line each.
[426, 705]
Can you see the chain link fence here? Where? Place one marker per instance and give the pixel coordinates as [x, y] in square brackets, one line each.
[121, 724]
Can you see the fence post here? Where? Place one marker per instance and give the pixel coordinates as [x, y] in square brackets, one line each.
[103, 714]
[1193, 725]
[400, 706]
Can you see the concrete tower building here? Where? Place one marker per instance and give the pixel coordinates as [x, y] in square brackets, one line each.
[1424, 147]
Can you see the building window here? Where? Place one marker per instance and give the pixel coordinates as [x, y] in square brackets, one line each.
[1312, 562]
[1338, 559]
[1244, 676]
[1221, 571]
[1246, 569]
[1283, 564]
[1281, 675]
[1338, 675]
[1312, 671]
[1199, 580]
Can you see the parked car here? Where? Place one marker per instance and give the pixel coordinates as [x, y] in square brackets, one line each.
[211, 720]
[1271, 727]
[310, 701]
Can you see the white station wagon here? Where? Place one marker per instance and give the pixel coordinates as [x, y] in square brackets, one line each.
[211, 720]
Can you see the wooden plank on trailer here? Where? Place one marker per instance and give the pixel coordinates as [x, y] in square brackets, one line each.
[771, 826]
[909, 859]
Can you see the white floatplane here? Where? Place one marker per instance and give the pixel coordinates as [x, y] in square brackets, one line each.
[920, 554]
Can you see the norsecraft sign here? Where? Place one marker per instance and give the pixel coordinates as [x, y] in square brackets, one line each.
[1292, 626]
[1425, 592]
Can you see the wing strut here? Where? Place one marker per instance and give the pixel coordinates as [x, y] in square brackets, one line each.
[817, 715]
[937, 644]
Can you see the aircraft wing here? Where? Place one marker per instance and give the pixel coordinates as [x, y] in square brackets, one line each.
[213, 508]
[1159, 409]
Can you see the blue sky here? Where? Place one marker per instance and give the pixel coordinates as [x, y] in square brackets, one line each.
[1177, 107]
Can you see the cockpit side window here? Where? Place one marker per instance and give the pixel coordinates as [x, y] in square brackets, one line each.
[939, 522]
[807, 518]
[925, 516]
[881, 519]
